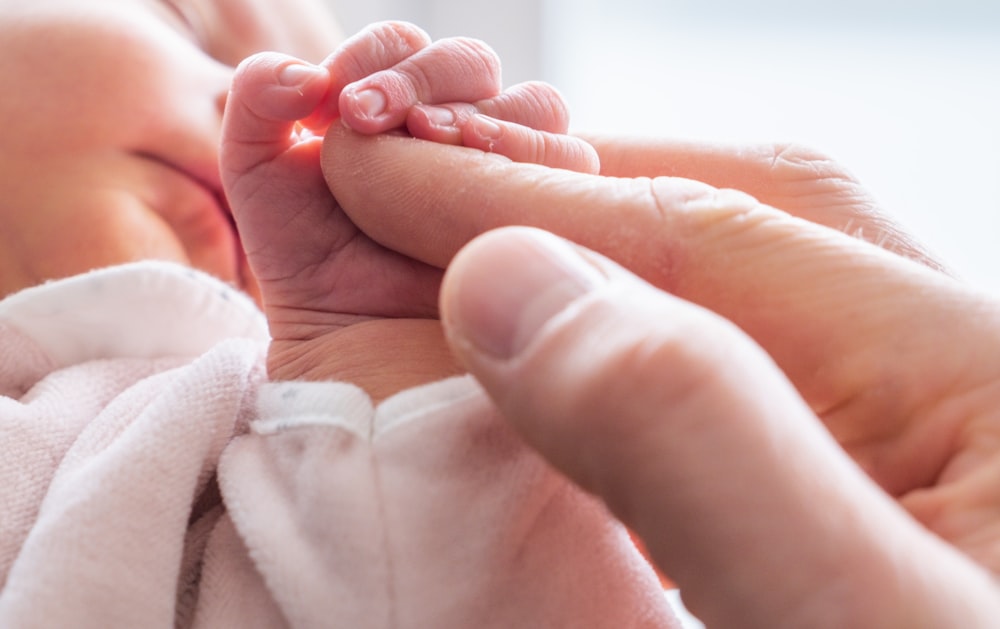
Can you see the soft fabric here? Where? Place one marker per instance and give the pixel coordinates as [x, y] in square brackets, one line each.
[150, 476]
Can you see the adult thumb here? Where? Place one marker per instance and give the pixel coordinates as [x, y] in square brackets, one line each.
[697, 441]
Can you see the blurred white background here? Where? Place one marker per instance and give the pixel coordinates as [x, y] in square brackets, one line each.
[904, 92]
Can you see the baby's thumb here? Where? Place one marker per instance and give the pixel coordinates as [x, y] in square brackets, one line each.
[693, 437]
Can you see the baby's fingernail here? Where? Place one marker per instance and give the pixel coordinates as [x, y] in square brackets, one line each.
[370, 103]
[298, 74]
[439, 116]
[485, 128]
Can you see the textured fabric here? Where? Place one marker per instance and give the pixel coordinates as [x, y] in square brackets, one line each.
[150, 476]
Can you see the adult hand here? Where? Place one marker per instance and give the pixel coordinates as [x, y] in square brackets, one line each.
[706, 437]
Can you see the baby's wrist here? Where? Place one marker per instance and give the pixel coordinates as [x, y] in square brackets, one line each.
[383, 356]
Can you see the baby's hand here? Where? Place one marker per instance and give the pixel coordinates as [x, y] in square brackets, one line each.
[340, 305]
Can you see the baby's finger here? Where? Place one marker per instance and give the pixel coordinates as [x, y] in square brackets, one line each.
[458, 125]
[533, 104]
[378, 47]
[260, 145]
[270, 92]
[450, 70]
[524, 144]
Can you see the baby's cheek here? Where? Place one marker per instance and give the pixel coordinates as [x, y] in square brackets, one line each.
[61, 246]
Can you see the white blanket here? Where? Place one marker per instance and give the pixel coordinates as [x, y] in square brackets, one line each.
[150, 476]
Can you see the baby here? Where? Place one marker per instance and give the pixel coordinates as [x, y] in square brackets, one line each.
[173, 457]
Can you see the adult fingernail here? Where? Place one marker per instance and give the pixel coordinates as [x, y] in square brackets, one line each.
[298, 74]
[509, 284]
[370, 103]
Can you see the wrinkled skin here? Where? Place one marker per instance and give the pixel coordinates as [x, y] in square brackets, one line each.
[339, 304]
[891, 355]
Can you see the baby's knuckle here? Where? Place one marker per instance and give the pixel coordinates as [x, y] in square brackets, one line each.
[399, 35]
[546, 104]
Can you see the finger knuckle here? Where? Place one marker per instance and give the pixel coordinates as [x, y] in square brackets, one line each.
[378, 45]
[477, 56]
[545, 106]
[416, 79]
[790, 163]
[399, 35]
[699, 216]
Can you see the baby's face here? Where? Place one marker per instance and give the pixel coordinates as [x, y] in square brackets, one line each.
[111, 115]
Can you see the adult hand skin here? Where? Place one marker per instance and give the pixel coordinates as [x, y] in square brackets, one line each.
[694, 400]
